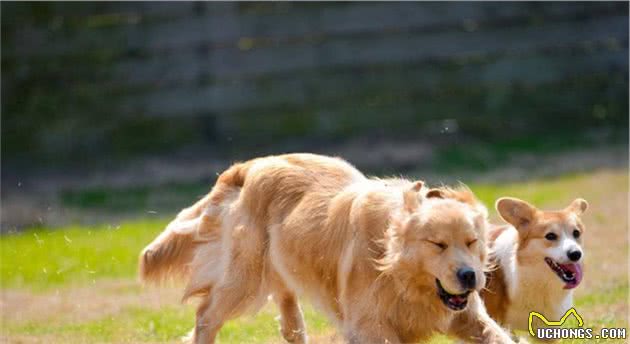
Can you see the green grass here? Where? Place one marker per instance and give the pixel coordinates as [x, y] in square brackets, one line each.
[43, 258]
[538, 192]
[607, 296]
[46, 260]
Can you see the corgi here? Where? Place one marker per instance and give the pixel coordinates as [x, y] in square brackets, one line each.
[387, 260]
[537, 262]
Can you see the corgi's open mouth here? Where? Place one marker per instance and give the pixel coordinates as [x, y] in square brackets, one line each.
[570, 274]
[452, 301]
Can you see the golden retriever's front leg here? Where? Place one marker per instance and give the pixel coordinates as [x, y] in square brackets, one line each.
[474, 325]
[291, 319]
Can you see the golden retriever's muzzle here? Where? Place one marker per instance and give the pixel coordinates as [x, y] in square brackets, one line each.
[456, 302]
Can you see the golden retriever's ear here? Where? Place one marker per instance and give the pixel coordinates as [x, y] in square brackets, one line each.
[578, 206]
[515, 211]
[435, 193]
[411, 196]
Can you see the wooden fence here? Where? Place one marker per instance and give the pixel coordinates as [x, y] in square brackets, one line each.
[131, 78]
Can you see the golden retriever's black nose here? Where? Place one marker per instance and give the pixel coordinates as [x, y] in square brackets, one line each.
[467, 278]
[574, 255]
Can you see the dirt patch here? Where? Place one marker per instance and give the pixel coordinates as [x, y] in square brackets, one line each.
[74, 304]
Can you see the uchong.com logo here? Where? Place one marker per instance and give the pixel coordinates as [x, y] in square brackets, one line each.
[553, 331]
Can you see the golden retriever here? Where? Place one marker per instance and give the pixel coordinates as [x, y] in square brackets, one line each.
[387, 260]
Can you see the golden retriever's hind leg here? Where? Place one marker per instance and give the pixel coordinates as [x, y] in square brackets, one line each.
[228, 301]
[240, 288]
[201, 311]
[291, 318]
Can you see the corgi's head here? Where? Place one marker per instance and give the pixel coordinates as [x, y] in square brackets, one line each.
[438, 244]
[548, 238]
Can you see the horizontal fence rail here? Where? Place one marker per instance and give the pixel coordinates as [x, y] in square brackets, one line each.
[185, 73]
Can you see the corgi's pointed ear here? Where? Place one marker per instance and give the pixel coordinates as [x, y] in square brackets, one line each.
[515, 211]
[578, 206]
[411, 196]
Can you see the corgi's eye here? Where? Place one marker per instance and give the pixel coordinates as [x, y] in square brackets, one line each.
[441, 245]
[470, 243]
[551, 236]
[576, 233]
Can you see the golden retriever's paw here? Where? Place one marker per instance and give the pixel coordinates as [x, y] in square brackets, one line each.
[294, 336]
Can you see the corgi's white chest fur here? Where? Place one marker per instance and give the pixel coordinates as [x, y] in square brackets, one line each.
[531, 287]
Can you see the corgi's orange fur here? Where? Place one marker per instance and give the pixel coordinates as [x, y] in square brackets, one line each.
[374, 255]
[522, 254]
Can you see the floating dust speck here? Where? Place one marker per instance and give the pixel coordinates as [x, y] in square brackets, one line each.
[39, 241]
[67, 239]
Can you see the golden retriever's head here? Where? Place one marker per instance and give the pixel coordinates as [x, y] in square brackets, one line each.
[551, 238]
[438, 244]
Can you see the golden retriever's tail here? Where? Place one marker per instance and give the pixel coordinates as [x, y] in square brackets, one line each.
[171, 253]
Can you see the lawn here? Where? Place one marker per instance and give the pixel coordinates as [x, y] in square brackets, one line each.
[77, 284]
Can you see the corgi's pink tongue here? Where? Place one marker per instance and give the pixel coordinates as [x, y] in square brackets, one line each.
[576, 269]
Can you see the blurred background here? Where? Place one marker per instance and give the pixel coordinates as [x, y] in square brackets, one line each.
[101, 97]
[118, 113]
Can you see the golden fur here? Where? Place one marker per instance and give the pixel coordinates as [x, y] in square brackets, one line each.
[495, 295]
[362, 250]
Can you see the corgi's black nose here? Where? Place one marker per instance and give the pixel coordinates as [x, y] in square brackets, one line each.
[467, 278]
[574, 255]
